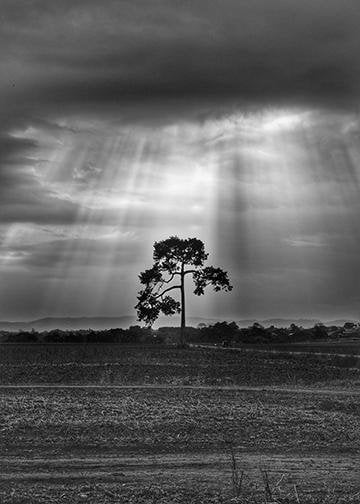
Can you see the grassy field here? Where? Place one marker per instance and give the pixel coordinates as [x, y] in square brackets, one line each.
[297, 440]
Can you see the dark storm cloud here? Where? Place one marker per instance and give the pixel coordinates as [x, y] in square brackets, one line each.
[78, 252]
[155, 61]
[22, 196]
[81, 54]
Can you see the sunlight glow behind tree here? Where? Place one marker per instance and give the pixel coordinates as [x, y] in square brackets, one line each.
[99, 191]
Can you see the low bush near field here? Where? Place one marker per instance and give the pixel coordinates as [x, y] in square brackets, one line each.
[220, 333]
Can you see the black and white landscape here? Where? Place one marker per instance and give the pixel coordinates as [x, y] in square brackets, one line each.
[127, 122]
[179, 251]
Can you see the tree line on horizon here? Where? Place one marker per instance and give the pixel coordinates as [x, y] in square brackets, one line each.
[220, 333]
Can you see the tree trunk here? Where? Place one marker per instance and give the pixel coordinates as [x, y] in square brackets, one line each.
[183, 325]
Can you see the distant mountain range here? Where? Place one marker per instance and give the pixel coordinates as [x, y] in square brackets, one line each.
[96, 323]
[49, 323]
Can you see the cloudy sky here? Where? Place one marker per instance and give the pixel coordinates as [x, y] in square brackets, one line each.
[124, 122]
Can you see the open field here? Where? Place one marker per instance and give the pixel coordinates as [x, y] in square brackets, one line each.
[80, 441]
[174, 444]
[106, 421]
[343, 346]
[126, 365]
[182, 479]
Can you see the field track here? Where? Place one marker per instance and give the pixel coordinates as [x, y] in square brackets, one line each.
[278, 351]
[288, 390]
[198, 467]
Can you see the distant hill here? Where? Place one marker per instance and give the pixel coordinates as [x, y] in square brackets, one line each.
[49, 323]
[125, 321]
[97, 323]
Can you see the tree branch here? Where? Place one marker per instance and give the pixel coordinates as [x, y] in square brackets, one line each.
[164, 282]
[167, 290]
[170, 279]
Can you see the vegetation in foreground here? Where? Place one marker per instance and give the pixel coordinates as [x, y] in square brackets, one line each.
[182, 439]
[178, 446]
[160, 493]
[110, 421]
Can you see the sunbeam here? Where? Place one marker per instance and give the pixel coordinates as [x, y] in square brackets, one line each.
[272, 194]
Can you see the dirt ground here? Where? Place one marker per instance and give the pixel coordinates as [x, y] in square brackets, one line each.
[166, 443]
[316, 475]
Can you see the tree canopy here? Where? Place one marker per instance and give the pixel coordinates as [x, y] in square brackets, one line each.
[174, 258]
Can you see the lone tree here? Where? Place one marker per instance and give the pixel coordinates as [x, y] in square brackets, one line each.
[172, 257]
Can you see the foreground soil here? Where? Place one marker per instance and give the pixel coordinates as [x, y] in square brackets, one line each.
[112, 445]
[183, 431]
[183, 477]
[110, 421]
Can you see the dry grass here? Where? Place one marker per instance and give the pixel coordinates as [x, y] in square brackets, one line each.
[109, 421]
[132, 493]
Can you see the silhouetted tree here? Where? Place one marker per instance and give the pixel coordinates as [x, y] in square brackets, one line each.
[171, 258]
